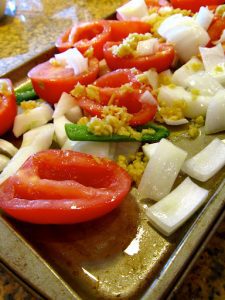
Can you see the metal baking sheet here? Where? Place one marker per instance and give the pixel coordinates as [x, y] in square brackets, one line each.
[119, 256]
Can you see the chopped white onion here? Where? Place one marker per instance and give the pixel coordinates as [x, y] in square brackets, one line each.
[74, 114]
[149, 149]
[186, 35]
[207, 162]
[212, 57]
[60, 132]
[126, 148]
[4, 160]
[31, 135]
[134, 9]
[147, 47]
[193, 66]
[7, 148]
[152, 78]
[215, 116]
[65, 103]
[147, 97]
[32, 118]
[99, 149]
[72, 58]
[204, 17]
[175, 122]
[203, 82]
[42, 142]
[172, 211]
[161, 171]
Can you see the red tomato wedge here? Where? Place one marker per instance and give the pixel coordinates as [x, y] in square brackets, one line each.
[51, 81]
[64, 187]
[121, 29]
[161, 60]
[194, 5]
[216, 28]
[8, 107]
[85, 35]
[157, 3]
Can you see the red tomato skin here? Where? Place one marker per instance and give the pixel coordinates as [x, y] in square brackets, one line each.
[121, 29]
[216, 28]
[194, 5]
[161, 60]
[85, 35]
[63, 187]
[49, 81]
[8, 107]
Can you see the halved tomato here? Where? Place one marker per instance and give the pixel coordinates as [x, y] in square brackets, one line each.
[63, 187]
[8, 107]
[161, 60]
[50, 81]
[194, 5]
[85, 35]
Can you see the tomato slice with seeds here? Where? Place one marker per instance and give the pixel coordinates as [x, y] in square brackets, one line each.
[194, 5]
[8, 107]
[51, 81]
[64, 187]
[161, 60]
[216, 28]
[85, 35]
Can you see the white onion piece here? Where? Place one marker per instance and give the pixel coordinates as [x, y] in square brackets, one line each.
[169, 95]
[65, 103]
[147, 47]
[4, 160]
[33, 118]
[175, 122]
[147, 97]
[203, 82]
[60, 132]
[152, 78]
[161, 171]
[207, 162]
[186, 35]
[197, 106]
[193, 66]
[212, 57]
[149, 149]
[172, 211]
[74, 114]
[99, 149]
[31, 135]
[7, 148]
[126, 148]
[42, 142]
[133, 9]
[204, 17]
[72, 58]
[215, 116]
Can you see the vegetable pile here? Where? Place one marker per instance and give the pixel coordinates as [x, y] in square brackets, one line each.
[105, 104]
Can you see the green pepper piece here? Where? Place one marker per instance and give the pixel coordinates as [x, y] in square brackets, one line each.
[77, 132]
[25, 92]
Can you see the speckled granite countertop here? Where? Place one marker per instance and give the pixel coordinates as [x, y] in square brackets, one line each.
[29, 33]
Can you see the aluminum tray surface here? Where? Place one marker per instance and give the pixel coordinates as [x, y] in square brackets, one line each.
[117, 256]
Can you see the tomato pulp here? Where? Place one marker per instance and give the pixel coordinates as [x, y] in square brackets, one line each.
[63, 187]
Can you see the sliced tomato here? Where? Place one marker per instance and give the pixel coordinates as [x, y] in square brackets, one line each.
[161, 60]
[157, 3]
[85, 35]
[8, 107]
[63, 187]
[194, 5]
[216, 28]
[121, 29]
[141, 112]
[50, 81]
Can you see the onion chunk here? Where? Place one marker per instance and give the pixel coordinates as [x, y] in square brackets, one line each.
[172, 211]
[207, 162]
[161, 171]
